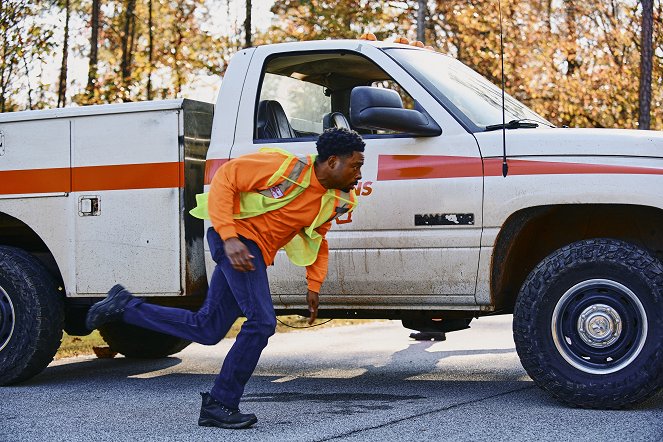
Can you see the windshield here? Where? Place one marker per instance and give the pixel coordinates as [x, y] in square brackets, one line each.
[453, 83]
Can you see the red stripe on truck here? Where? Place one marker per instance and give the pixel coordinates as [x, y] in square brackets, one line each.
[211, 166]
[417, 167]
[526, 167]
[413, 167]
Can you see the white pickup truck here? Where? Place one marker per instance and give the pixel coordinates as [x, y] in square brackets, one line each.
[570, 241]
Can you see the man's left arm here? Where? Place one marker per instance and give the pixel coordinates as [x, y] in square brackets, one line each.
[316, 273]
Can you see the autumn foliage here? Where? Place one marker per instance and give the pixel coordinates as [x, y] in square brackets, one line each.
[576, 63]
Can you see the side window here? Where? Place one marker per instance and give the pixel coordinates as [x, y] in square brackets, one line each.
[304, 105]
[301, 95]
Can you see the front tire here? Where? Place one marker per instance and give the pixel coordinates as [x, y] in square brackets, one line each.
[31, 316]
[138, 342]
[588, 324]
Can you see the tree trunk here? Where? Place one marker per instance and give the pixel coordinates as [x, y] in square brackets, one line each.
[421, 21]
[247, 25]
[571, 57]
[4, 74]
[94, 51]
[62, 85]
[26, 66]
[646, 57]
[179, 38]
[127, 43]
[150, 49]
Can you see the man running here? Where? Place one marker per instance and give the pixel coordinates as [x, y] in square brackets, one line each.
[258, 204]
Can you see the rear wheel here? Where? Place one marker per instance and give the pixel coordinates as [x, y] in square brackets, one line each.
[31, 316]
[588, 324]
[138, 342]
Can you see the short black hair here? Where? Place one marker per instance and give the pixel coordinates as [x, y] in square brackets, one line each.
[338, 141]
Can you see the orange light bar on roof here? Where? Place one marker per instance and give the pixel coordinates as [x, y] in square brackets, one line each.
[417, 43]
[368, 36]
[402, 40]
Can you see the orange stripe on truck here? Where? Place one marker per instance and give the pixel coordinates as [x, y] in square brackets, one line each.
[93, 178]
[35, 181]
[128, 176]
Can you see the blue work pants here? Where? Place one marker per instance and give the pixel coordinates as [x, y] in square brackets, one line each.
[231, 294]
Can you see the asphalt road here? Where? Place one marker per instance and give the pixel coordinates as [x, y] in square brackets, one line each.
[364, 382]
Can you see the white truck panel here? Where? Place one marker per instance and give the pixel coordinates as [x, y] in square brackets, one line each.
[359, 274]
[35, 145]
[572, 141]
[229, 98]
[130, 138]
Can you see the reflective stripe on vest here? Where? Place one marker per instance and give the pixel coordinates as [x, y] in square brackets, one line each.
[303, 249]
[278, 195]
[289, 181]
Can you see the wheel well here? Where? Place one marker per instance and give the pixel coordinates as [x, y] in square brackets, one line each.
[531, 234]
[15, 233]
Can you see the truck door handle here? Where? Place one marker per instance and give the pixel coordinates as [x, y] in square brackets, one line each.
[88, 205]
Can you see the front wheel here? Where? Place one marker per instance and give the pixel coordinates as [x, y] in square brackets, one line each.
[588, 324]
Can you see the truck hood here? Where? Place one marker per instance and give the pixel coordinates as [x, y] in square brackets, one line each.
[572, 142]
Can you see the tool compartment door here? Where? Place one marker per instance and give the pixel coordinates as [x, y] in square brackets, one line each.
[127, 180]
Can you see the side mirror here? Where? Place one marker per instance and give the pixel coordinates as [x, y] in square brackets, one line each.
[379, 108]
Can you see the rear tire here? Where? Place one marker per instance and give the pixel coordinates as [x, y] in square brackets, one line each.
[31, 316]
[588, 324]
[138, 342]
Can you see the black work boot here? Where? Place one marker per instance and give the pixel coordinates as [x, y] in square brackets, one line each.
[214, 414]
[109, 309]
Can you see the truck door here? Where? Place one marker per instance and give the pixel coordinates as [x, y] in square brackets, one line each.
[414, 240]
[127, 199]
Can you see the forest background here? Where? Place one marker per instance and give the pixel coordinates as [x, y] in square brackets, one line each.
[597, 63]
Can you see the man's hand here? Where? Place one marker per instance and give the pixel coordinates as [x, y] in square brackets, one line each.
[239, 255]
[313, 302]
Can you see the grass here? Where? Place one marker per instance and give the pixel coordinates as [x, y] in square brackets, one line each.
[82, 345]
[79, 345]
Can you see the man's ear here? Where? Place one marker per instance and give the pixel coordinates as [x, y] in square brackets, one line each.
[332, 161]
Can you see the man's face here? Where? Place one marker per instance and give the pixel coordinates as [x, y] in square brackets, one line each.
[346, 170]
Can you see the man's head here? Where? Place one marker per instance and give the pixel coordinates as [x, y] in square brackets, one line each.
[340, 157]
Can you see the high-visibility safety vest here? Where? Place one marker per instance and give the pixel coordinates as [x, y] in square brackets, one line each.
[303, 249]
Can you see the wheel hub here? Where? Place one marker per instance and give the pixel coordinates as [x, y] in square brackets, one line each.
[599, 325]
[7, 318]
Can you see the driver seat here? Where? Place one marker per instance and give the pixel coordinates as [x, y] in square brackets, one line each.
[273, 122]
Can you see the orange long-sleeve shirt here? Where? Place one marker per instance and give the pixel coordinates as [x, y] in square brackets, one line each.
[272, 230]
